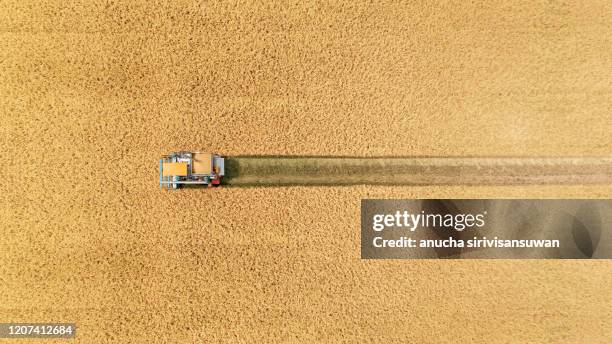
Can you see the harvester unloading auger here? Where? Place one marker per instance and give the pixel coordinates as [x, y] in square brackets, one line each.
[186, 168]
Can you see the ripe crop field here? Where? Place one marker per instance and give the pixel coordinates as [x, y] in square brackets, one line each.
[92, 93]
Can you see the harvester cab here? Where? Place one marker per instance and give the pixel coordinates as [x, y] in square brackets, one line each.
[186, 168]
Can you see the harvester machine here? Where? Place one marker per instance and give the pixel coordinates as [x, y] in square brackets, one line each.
[189, 168]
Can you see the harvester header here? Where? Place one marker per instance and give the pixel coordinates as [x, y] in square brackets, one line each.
[183, 168]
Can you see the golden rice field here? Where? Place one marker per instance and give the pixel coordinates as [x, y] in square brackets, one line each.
[92, 93]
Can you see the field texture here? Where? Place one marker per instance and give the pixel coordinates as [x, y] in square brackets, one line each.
[92, 93]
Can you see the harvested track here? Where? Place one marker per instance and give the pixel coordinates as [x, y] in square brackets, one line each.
[279, 170]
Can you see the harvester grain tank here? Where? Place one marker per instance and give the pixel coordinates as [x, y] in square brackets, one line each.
[188, 168]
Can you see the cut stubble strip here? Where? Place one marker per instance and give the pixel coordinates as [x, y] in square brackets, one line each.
[278, 170]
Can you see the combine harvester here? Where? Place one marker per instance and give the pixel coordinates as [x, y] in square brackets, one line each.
[183, 168]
